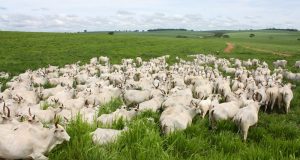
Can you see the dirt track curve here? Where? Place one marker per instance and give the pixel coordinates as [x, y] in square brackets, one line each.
[229, 47]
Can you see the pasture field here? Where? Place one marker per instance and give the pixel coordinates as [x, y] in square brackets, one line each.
[276, 136]
[20, 50]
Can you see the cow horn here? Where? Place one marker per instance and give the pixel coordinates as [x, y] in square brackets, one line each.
[4, 109]
[193, 103]
[29, 111]
[56, 124]
[8, 112]
[260, 97]
[66, 119]
[253, 97]
[163, 92]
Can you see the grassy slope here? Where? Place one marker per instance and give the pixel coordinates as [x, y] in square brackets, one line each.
[33, 50]
[20, 51]
[285, 42]
[277, 136]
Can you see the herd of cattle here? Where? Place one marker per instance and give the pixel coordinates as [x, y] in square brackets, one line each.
[29, 109]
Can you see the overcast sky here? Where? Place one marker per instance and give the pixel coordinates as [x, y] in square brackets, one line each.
[77, 15]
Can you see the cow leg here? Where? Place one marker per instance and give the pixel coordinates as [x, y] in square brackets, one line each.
[203, 114]
[213, 123]
[266, 105]
[279, 104]
[245, 132]
[38, 156]
[273, 103]
[287, 107]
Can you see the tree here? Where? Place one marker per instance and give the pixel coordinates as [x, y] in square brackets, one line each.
[111, 33]
[219, 34]
[181, 36]
[252, 35]
[226, 36]
[85, 31]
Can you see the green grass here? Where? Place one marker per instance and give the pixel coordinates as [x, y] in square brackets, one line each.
[20, 50]
[44, 106]
[3, 84]
[110, 107]
[276, 136]
[48, 85]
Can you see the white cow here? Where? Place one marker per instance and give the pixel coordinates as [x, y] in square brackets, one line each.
[30, 142]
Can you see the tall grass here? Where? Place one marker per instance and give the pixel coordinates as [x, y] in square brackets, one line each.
[276, 136]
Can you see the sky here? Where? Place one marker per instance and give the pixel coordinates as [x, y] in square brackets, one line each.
[107, 15]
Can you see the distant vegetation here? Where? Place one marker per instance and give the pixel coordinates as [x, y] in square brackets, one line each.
[111, 33]
[155, 30]
[226, 36]
[280, 29]
[181, 36]
[271, 37]
[251, 35]
[219, 34]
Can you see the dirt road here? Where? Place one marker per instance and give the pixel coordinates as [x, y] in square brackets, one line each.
[229, 47]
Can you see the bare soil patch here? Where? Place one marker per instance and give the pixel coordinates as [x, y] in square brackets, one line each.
[229, 47]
